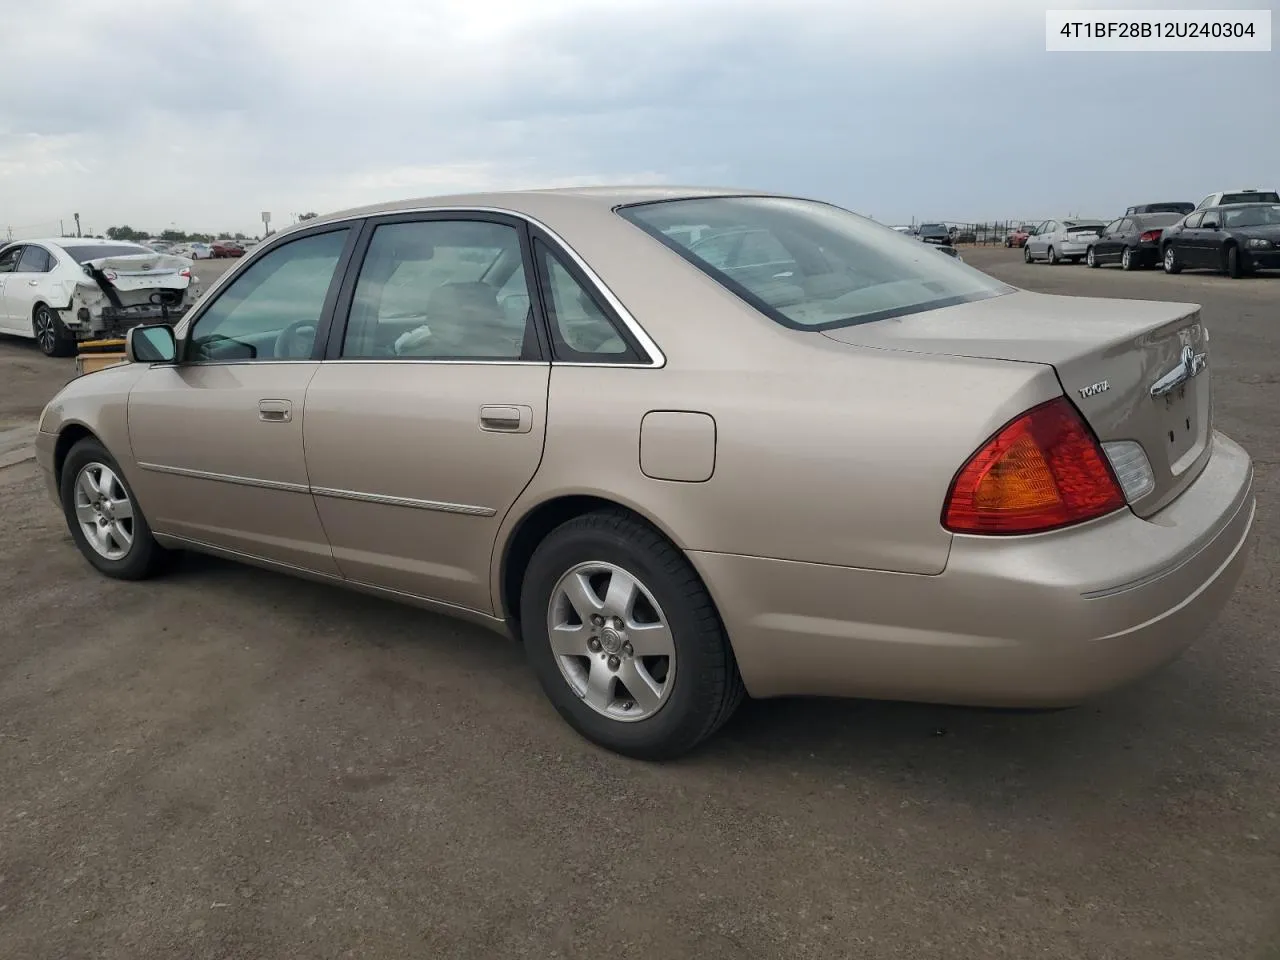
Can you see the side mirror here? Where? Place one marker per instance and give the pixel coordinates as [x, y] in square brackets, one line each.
[1211, 225]
[153, 343]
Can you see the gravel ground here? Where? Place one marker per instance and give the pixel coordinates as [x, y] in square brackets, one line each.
[229, 763]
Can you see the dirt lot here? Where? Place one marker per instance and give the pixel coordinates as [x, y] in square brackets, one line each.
[228, 763]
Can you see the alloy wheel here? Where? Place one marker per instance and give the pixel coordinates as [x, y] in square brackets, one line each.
[45, 328]
[104, 511]
[611, 641]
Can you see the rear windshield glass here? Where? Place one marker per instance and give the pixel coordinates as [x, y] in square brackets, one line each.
[1260, 216]
[1269, 196]
[1158, 219]
[1076, 227]
[97, 252]
[1168, 208]
[933, 228]
[809, 265]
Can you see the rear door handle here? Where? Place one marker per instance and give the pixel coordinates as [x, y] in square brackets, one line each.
[33, 283]
[275, 411]
[506, 418]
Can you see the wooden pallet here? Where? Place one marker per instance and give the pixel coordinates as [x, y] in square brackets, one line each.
[96, 354]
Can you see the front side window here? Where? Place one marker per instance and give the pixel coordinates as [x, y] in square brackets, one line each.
[581, 330]
[1193, 221]
[272, 310]
[35, 260]
[442, 290]
[839, 268]
[1114, 227]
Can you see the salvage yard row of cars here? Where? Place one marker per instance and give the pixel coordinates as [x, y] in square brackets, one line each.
[1233, 232]
[1019, 500]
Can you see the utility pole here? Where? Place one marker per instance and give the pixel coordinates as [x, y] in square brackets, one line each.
[62, 231]
[78, 225]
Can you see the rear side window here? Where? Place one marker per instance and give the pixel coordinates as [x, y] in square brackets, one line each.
[1194, 221]
[813, 266]
[581, 329]
[35, 260]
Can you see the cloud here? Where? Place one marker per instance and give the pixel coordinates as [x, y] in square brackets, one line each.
[182, 111]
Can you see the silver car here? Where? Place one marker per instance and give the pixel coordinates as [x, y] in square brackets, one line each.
[1067, 238]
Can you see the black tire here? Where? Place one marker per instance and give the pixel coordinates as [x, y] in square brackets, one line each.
[1169, 260]
[1053, 257]
[145, 558]
[1235, 268]
[707, 688]
[1091, 259]
[51, 334]
[1127, 261]
[1026, 253]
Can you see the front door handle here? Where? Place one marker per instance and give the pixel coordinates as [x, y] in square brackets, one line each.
[33, 283]
[506, 418]
[275, 411]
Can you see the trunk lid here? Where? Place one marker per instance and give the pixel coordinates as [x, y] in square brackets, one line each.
[1123, 363]
[143, 271]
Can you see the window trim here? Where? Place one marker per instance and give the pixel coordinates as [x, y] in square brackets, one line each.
[561, 352]
[188, 323]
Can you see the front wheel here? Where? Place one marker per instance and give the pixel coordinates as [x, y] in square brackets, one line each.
[1171, 264]
[52, 336]
[1126, 259]
[103, 516]
[624, 638]
[1235, 269]
[1091, 258]
[1026, 253]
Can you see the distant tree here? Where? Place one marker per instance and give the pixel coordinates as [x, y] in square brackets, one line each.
[125, 233]
[308, 216]
[176, 236]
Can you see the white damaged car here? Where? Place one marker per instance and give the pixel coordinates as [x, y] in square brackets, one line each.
[58, 292]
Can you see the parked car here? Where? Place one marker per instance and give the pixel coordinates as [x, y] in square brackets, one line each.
[226, 248]
[1173, 206]
[1133, 241]
[934, 233]
[665, 512]
[1243, 195]
[1017, 237]
[1237, 239]
[59, 290]
[1065, 239]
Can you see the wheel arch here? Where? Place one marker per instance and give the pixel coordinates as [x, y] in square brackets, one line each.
[68, 436]
[536, 524]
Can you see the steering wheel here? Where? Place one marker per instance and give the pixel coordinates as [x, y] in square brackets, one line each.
[296, 340]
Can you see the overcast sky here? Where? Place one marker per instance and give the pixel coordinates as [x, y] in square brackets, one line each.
[202, 114]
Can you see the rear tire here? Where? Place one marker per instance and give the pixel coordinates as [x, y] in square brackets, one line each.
[51, 335]
[1053, 257]
[591, 687]
[98, 504]
[1170, 261]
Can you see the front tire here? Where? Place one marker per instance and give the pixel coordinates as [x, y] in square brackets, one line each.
[1091, 259]
[1235, 269]
[51, 335]
[1126, 259]
[103, 515]
[1026, 253]
[625, 639]
[1170, 260]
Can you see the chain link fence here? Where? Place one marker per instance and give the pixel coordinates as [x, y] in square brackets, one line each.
[982, 234]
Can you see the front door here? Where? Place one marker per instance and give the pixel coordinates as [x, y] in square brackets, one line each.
[218, 436]
[428, 421]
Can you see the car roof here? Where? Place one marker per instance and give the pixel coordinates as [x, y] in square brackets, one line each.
[525, 201]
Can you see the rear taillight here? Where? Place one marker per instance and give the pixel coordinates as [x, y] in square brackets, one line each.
[1042, 471]
[1150, 236]
[185, 272]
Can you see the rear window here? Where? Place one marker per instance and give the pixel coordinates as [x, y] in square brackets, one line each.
[1181, 208]
[97, 252]
[1265, 196]
[1077, 227]
[933, 228]
[810, 265]
[1158, 219]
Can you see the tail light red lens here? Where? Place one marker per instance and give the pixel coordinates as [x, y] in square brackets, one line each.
[1041, 471]
[185, 272]
[1150, 236]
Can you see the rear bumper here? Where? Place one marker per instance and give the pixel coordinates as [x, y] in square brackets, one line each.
[1073, 248]
[1047, 620]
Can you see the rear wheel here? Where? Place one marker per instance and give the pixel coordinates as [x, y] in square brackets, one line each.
[1053, 257]
[52, 337]
[1171, 263]
[105, 520]
[624, 638]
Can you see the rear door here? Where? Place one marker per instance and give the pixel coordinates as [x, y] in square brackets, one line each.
[8, 263]
[217, 437]
[427, 419]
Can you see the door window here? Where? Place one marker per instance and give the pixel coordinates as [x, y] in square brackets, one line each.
[1193, 221]
[581, 330]
[34, 260]
[1113, 228]
[442, 290]
[272, 310]
[9, 259]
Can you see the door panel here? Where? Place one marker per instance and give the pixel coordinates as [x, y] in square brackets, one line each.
[410, 483]
[217, 465]
[8, 263]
